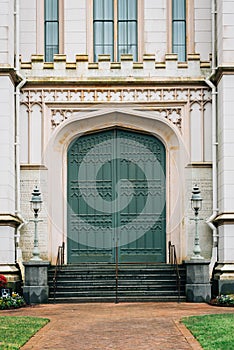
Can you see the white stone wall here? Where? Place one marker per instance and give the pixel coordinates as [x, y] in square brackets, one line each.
[7, 245]
[202, 176]
[7, 169]
[155, 28]
[226, 243]
[226, 144]
[29, 40]
[226, 164]
[75, 28]
[225, 45]
[7, 32]
[30, 178]
[225, 31]
[202, 28]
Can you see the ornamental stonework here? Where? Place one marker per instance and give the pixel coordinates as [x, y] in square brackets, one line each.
[64, 102]
[115, 95]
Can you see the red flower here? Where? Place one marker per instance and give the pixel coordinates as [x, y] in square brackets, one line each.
[3, 281]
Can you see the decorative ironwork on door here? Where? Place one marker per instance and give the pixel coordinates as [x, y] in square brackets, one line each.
[116, 198]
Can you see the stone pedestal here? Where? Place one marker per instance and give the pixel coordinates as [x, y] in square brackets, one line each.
[36, 290]
[223, 278]
[198, 287]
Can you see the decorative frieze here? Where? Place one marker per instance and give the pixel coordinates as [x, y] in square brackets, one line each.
[135, 95]
[70, 99]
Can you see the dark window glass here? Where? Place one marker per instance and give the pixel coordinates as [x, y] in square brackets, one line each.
[51, 29]
[179, 28]
[104, 28]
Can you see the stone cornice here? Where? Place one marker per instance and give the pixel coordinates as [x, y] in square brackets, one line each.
[53, 82]
[10, 71]
[224, 218]
[33, 167]
[199, 165]
[221, 71]
[9, 220]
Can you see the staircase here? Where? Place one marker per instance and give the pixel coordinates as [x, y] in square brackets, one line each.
[96, 282]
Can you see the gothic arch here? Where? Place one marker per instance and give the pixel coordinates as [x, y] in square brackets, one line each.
[129, 119]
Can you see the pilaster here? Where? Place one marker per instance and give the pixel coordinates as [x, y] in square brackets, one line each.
[8, 219]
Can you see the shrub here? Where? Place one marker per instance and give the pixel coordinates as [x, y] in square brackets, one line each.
[13, 302]
[224, 299]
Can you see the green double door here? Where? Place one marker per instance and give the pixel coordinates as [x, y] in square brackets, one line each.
[116, 198]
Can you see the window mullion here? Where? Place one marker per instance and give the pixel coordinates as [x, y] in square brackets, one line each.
[123, 35]
[115, 30]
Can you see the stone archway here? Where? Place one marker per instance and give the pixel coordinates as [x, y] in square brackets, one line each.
[101, 120]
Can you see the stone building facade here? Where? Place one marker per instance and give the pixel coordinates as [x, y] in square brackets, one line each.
[63, 79]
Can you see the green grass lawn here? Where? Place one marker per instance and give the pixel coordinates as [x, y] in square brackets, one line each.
[214, 332]
[16, 331]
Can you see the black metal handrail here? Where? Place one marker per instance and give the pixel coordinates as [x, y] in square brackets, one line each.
[116, 274]
[173, 261]
[58, 266]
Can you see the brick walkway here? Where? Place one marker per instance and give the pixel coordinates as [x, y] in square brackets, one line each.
[124, 326]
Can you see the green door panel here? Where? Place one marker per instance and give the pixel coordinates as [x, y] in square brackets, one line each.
[116, 197]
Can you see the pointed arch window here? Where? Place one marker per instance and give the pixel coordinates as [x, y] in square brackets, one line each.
[179, 29]
[115, 28]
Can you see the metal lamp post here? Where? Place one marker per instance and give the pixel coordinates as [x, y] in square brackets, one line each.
[196, 205]
[36, 204]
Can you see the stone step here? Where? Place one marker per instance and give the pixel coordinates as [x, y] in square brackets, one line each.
[120, 270]
[113, 272]
[112, 268]
[102, 299]
[97, 282]
[97, 287]
[112, 292]
[138, 278]
[80, 283]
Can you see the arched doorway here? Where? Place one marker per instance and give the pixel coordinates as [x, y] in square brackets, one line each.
[116, 198]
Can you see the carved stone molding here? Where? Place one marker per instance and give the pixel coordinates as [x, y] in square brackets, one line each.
[135, 95]
[174, 115]
[58, 116]
[70, 100]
